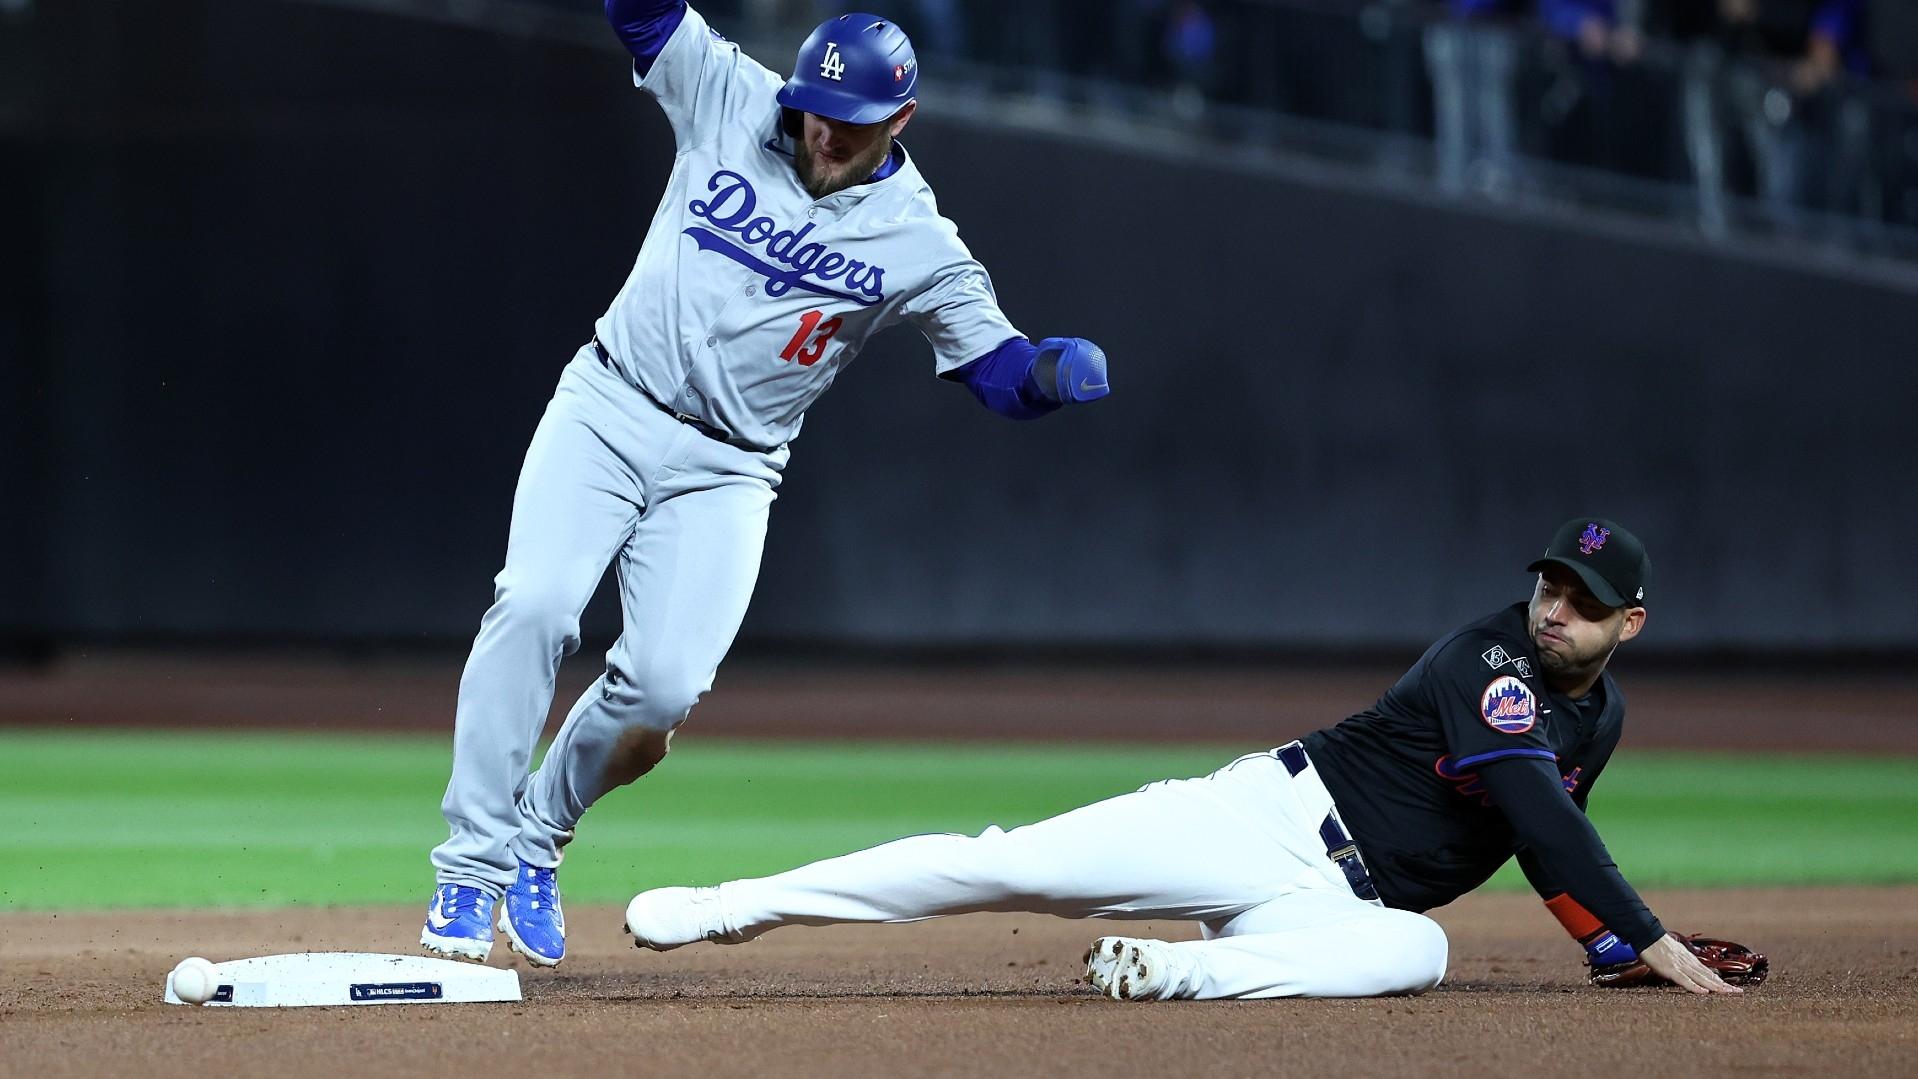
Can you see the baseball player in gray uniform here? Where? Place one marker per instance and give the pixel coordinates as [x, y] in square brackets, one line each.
[793, 228]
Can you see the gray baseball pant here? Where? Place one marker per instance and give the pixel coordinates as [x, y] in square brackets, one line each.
[609, 477]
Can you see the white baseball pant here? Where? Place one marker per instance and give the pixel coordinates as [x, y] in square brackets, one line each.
[1238, 850]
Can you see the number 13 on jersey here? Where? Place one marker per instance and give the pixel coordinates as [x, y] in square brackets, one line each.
[798, 348]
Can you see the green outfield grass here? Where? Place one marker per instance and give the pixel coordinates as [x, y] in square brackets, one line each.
[196, 819]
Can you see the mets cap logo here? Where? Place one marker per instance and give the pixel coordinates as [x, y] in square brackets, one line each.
[1507, 706]
[1594, 538]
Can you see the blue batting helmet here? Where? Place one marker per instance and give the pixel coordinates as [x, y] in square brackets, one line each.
[858, 69]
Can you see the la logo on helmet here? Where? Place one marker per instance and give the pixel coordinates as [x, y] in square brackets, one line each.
[832, 66]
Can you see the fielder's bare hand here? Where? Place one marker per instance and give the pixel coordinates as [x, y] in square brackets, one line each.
[1673, 960]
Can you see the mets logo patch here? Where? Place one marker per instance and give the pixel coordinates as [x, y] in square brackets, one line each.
[1507, 706]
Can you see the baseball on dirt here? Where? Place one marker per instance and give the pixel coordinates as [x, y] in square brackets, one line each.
[193, 980]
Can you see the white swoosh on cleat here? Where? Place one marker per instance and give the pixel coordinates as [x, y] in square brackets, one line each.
[435, 918]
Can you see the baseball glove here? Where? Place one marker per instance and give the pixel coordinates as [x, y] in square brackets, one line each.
[1735, 963]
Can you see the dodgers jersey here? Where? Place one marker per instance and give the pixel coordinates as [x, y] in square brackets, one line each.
[749, 295]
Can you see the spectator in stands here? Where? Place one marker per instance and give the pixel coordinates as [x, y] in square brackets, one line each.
[1473, 62]
[1771, 72]
[1191, 50]
[1601, 109]
[1603, 30]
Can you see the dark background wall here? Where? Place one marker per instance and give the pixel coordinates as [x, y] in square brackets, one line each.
[286, 289]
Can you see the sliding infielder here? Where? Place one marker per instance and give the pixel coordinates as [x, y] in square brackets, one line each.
[1308, 867]
[793, 228]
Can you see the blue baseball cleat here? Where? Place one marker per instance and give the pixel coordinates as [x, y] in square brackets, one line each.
[531, 917]
[459, 924]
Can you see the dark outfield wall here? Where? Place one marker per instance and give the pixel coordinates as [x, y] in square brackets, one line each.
[287, 288]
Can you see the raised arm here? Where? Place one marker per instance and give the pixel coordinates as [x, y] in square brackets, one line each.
[701, 80]
[644, 27]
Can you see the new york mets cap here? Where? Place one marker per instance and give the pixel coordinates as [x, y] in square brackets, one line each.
[1610, 560]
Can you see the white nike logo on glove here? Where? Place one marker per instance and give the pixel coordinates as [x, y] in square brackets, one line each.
[1088, 387]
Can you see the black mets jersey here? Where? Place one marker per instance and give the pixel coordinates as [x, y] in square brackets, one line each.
[1469, 759]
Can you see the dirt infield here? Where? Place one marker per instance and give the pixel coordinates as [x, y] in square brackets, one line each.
[986, 995]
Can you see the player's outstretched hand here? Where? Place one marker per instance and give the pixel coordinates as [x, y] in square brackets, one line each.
[1671, 959]
[1070, 370]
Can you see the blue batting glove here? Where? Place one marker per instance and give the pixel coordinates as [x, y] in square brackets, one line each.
[1070, 370]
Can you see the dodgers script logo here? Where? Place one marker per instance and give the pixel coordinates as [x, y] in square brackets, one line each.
[805, 262]
[1594, 538]
[1508, 706]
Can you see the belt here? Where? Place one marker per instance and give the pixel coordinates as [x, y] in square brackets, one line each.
[1339, 845]
[694, 422]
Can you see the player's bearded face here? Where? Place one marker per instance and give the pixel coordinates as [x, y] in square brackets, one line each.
[832, 156]
[1573, 632]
